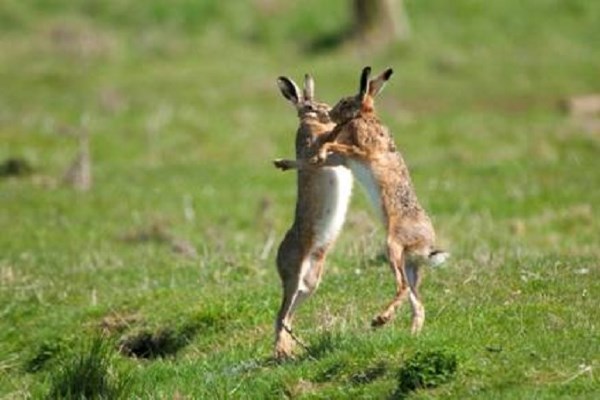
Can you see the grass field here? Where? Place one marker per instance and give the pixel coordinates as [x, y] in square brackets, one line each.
[185, 116]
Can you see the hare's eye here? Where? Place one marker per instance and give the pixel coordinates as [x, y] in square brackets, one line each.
[310, 107]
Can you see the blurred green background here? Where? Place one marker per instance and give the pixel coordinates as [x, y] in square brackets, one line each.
[185, 211]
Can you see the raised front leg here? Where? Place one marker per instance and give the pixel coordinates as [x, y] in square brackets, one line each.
[339, 148]
[285, 164]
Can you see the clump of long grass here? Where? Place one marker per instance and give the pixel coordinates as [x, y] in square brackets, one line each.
[426, 370]
[89, 374]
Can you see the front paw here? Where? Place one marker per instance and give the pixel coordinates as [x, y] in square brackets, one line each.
[283, 165]
[318, 159]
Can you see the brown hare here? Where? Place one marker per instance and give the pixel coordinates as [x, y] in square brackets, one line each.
[369, 151]
[323, 194]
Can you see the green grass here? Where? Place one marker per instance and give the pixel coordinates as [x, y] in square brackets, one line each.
[184, 119]
[88, 374]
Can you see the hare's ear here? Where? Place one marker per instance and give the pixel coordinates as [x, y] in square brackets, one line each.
[364, 82]
[376, 85]
[309, 87]
[289, 89]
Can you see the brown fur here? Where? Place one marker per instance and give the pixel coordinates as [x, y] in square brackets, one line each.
[302, 244]
[359, 136]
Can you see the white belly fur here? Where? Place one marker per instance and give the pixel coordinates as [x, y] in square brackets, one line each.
[364, 175]
[335, 189]
[332, 192]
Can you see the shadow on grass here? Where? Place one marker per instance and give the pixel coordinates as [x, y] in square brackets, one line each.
[424, 370]
[328, 343]
[45, 353]
[15, 167]
[330, 373]
[340, 370]
[153, 344]
[370, 374]
[167, 340]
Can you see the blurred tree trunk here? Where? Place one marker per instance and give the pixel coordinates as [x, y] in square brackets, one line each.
[380, 21]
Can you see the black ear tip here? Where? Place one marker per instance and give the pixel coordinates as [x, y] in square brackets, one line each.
[388, 73]
[366, 72]
[285, 83]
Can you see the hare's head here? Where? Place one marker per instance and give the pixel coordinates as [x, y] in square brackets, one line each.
[353, 106]
[304, 101]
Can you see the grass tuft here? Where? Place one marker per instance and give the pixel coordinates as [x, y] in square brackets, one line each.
[426, 370]
[210, 321]
[88, 375]
[323, 345]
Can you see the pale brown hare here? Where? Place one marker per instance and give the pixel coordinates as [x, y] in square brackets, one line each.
[323, 194]
[370, 152]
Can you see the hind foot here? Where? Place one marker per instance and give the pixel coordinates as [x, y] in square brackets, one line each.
[380, 320]
[284, 348]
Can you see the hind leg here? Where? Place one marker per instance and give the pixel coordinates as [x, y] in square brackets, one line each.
[396, 259]
[295, 291]
[413, 274]
[284, 343]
